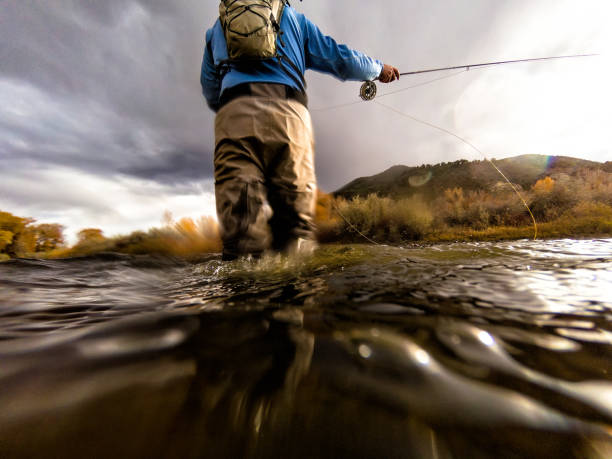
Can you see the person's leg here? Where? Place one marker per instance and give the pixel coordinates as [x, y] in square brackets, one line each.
[291, 178]
[241, 194]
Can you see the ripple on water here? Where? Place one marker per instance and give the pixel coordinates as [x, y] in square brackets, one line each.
[442, 349]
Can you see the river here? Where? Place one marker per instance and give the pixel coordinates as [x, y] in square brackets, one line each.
[461, 350]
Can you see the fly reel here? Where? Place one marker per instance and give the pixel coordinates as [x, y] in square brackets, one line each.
[368, 90]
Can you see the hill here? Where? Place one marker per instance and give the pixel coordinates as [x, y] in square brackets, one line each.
[430, 181]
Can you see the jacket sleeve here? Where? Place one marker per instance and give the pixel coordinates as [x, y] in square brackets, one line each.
[209, 78]
[325, 55]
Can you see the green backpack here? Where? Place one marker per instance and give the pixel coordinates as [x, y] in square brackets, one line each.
[251, 27]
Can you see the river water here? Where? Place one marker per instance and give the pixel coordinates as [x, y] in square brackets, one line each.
[462, 350]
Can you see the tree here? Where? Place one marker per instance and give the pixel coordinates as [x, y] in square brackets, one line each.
[49, 236]
[90, 235]
[11, 228]
[25, 242]
[544, 186]
[6, 237]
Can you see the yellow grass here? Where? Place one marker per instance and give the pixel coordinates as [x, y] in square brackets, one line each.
[472, 216]
[186, 238]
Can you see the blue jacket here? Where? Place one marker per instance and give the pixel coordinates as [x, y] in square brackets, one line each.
[305, 46]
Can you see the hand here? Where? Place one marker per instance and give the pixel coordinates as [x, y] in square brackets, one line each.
[388, 74]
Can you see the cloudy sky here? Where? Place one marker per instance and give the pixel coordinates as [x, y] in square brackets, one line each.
[102, 122]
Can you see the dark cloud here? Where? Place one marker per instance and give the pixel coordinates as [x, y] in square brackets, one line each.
[107, 82]
[102, 87]
[175, 167]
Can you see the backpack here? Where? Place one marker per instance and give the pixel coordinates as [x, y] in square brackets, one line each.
[252, 29]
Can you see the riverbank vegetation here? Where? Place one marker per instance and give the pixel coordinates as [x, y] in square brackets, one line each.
[21, 237]
[563, 206]
[185, 238]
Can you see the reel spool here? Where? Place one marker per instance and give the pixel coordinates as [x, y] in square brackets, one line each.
[368, 90]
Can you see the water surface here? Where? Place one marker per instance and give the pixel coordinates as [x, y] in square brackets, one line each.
[454, 350]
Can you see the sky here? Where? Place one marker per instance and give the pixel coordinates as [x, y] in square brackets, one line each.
[102, 121]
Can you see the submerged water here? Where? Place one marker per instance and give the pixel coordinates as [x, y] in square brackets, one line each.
[449, 351]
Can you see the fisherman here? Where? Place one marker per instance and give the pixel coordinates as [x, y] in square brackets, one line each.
[253, 78]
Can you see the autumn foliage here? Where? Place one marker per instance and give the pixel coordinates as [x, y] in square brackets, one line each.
[20, 237]
[563, 206]
[185, 238]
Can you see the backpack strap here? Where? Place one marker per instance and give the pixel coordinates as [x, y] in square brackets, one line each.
[276, 20]
[301, 82]
[278, 8]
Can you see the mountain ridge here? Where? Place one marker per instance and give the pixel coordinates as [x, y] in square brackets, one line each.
[429, 181]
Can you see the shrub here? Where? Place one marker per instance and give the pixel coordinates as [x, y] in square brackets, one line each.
[185, 238]
[378, 218]
[550, 199]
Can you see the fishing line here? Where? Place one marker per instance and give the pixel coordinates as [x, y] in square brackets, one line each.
[405, 115]
[421, 84]
[361, 101]
[333, 107]
[337, 209]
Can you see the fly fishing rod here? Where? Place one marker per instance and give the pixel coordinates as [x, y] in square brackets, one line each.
[368, 89]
